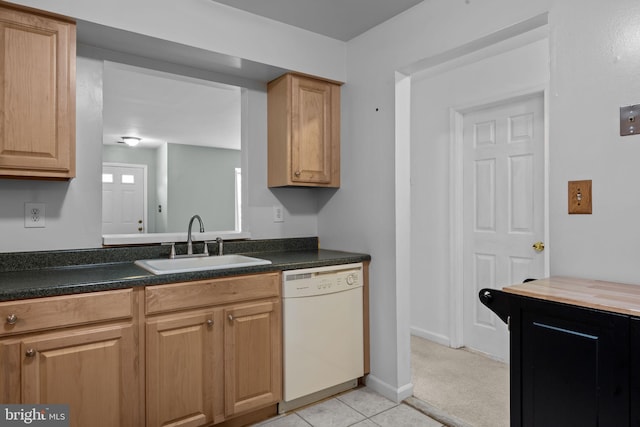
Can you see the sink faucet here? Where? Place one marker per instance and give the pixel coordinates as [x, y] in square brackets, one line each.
[189, 242]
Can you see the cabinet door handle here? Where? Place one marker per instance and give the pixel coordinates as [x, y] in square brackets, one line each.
[30, 353]
[209, 323]
[231, 318]
[297, 173]
[12, 319]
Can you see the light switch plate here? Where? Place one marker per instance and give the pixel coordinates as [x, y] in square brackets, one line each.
[629, 120]
[580, 197]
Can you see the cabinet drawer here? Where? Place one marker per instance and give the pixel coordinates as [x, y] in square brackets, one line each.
[68, 310]
[178, 296]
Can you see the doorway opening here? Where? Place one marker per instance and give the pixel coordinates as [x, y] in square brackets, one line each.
[440, 96]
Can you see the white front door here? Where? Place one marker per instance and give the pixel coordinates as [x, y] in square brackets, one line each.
[123, 199]
[504, 196]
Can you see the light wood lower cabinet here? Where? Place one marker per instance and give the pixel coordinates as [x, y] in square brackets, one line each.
[180, 369]
[252, 356]
[188, 354]
[94, 369]
[213, 349]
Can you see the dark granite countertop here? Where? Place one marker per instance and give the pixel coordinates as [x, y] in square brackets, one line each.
[68, 272]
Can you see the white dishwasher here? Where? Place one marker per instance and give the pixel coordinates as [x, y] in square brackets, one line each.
[323, 332]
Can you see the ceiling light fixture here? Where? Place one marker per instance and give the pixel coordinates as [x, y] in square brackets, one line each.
[131, 141]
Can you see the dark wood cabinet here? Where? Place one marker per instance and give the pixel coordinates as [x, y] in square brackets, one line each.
[570, 365]
[634, 376]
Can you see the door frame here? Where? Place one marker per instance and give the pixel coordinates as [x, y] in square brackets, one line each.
[145, 195]
[456, 200]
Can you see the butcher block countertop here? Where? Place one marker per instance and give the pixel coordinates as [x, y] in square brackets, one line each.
[600, 295]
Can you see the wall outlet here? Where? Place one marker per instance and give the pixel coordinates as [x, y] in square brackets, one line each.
[278, 214]
[34, 215]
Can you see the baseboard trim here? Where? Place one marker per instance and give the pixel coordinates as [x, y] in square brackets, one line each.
[392, 393]
[431, 336]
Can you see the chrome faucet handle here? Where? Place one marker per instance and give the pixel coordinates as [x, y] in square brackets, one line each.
[205, 251]
[220, 245]
[172, 254]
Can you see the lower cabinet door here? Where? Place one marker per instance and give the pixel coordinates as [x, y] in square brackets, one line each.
[180, 369]
[635, 371]
[574, 367]
[252, 356]
[92, 370]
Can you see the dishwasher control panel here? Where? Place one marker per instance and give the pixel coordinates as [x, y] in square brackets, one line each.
[321, 280]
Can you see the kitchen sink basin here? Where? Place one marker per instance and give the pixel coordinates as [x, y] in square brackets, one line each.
[184, 265]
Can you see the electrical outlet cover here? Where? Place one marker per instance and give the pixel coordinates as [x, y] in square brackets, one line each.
[34, 215]
[278, 213]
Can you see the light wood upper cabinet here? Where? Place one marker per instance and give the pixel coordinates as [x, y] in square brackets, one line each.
[37, 95]
[303, 132]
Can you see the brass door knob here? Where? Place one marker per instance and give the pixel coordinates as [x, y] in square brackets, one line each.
[538, 246]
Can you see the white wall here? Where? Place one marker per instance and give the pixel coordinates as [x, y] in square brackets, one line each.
[73, 209]
[595, 60]
[595, 55]
[362, 215]
[591, 77]
[212, 27]
[588, 83]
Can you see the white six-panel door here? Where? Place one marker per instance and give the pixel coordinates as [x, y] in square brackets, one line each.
[503, 191]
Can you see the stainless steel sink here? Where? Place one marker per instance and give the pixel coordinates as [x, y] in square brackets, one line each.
[184, 265]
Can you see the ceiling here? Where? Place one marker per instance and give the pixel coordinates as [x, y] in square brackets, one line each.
[338, 19]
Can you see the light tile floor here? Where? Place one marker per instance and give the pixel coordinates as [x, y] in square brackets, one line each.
[361, 407]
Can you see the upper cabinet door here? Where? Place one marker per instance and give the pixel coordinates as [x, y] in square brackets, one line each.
[37, 95]
[304, 132]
